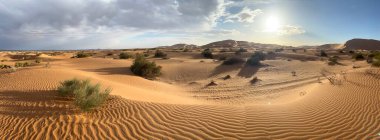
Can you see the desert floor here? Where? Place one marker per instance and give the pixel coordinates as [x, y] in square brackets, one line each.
[179, 105]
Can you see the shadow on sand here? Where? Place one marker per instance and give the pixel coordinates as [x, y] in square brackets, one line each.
[111, 71]
[35, 103]
[225, 68]
[246, 71]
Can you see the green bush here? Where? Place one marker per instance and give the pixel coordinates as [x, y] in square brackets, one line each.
[82, 55]
[159, 54]
[21, 64]
[233, 60]
[124, 55]
[146, 55]
[68, 87]
[376, 63]
[207, 53]
[279, 50]
[372, 56]
[86, 96]
[333, 60]
[323, 53]
[222, 57]
[240, 51]
[358, 56]
[376, 59]
[255, 59]
[109, 54]
[2, 66]
[144, 68]
[37, 61]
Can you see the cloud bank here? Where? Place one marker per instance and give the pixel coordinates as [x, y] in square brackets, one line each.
[29, 23]
[91, 24]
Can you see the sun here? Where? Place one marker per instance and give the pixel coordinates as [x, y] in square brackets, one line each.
[272, 24]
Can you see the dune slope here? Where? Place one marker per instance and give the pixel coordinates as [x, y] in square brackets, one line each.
[30, 109]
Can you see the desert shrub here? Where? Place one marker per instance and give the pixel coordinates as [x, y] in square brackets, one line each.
[333, 60]
[207, 53]
[37, 61]
[86, 96]
[240, 51]
[376, 60]
[212, 83]
[222, 57]
[332, 77]
[341, 51]
[2, 66]
[159, 54]
[109, 54]
[323, 53]
[376, 63]
[144, 68]
[373, 56]
[82, 55]
[146, 55]
[358, 56]
[294, 73]
[254, 80]
[279, 50]
[351, 51]
[21, 64]
[124, 55]
[90, 96]
[186, 50]
[271, 53]
[255, 59]
[294, 50]
[233, 60]
[67, 87]
[227, 77]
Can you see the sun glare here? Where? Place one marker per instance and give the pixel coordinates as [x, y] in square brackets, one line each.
[272, 24]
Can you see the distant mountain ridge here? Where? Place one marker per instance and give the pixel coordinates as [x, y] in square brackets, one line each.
[180, 46]
[362, 44]
[353, 44]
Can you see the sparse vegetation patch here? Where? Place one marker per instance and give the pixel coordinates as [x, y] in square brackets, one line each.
[124, 55]
[358, 56]
[160, 54]
[21, 64]
[82, 55]
[207, 53]
[323, 53]
[85, 95]
[144, 68]
[255, 59]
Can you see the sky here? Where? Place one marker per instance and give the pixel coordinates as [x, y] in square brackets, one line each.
[116, 24]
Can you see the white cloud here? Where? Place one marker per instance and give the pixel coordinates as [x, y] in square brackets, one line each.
[30, 22]
[222, 32]
[246, 15]
[291, 30]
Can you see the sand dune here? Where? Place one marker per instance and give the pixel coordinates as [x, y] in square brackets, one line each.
[144, 109]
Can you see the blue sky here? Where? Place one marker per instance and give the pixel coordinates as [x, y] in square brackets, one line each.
[83, 24]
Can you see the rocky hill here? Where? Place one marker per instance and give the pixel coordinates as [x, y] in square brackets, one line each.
[362, 44]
